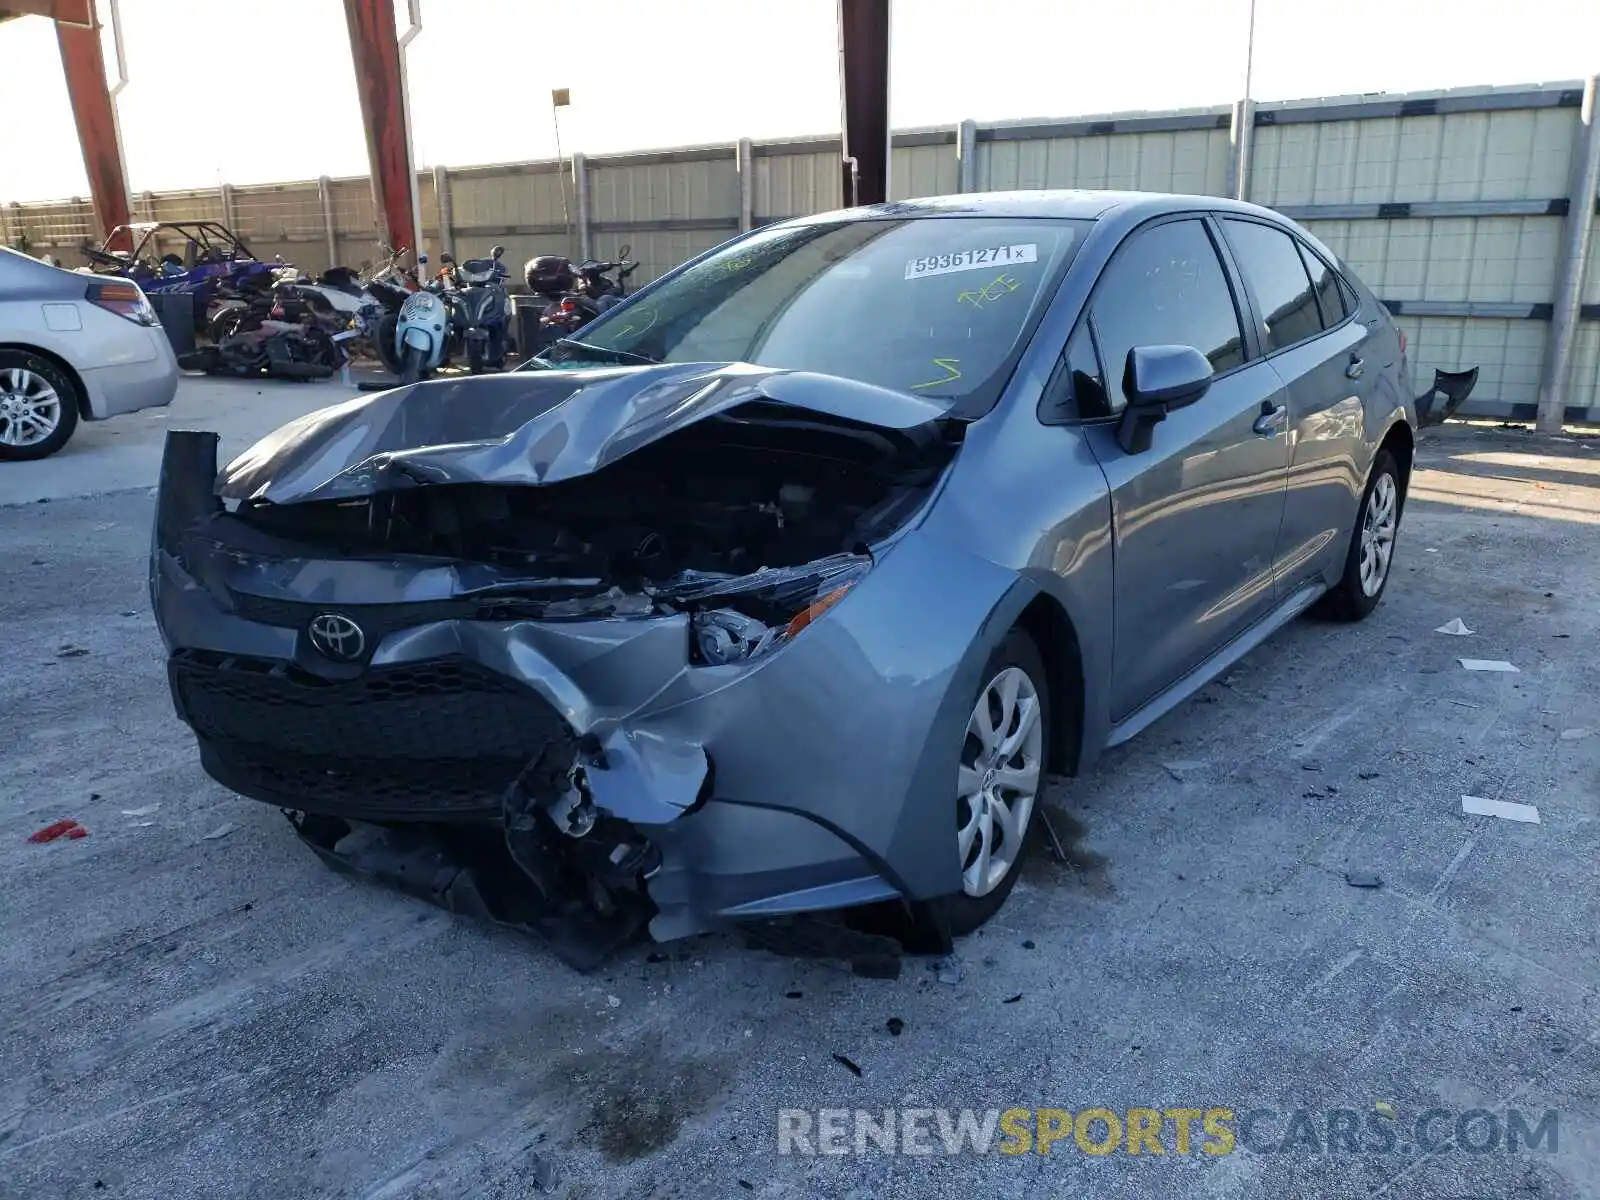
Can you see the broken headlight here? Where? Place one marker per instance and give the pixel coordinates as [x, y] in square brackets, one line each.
[763, 611]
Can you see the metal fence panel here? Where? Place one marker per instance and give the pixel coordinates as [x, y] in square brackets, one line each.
[699, 189]
[792, 185]
[923, 171]
[1474, 259]
[1189, 161]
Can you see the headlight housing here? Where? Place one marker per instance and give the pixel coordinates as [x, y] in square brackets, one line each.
[755, 614]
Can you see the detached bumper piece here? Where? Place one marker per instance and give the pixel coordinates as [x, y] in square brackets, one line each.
[468, 870]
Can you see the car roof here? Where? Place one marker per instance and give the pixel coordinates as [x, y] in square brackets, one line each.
[1053, 203]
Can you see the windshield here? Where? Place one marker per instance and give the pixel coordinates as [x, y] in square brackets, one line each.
[936, 306]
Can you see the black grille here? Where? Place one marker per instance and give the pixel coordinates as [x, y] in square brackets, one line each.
[435, 737]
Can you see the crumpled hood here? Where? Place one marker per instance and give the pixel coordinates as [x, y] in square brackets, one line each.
[529, 427]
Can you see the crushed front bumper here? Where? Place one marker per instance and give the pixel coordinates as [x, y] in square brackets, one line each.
[815, 778]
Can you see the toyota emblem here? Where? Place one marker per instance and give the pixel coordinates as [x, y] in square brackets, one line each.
[337, 637]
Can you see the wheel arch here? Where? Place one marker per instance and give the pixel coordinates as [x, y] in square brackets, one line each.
[1401, 442]
[1047, 622]
[67, 368]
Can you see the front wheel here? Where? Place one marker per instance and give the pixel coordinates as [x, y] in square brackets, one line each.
[1371, 552]
[411, 365]
[999, 780]
[475, 356]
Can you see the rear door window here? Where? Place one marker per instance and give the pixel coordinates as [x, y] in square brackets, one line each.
[1326, 286]
[1270, 262]
[1165, 287]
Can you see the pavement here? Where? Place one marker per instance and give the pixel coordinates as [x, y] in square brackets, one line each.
[194, 1007]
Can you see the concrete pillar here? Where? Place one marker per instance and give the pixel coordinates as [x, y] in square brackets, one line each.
[1573, 265]
[580, 201]
[744, 160]
[967, 156]
[330, 233]
[1241, 137]
[447, 213]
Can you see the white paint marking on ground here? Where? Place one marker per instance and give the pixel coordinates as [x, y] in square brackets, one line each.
[1488, 664]
[1479, 807]
[1449, 873]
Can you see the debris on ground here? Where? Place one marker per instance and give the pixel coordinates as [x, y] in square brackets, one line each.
[747, 1185]
[544, 1173]
[1182, 768]
[1012, 999]
[142, 811]
[60, 829]
[1366, 774]
[1384, 1109]
[1508, 810]
[221, 831]
[793, 995]
[1363, 879]
[1574, 735]
[1455, 627]
[895, 1026]
[1027, 944]
[70, 651]
[948, 970]
[1488, 664]
[848, 1064]
[1311, 764]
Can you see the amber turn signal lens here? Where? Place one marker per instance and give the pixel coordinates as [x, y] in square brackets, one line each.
[815, 609]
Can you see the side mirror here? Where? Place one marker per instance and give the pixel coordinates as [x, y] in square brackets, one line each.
[447, 259]
[422, 260]
[625, 250]
[498, 252]
[1158, 380]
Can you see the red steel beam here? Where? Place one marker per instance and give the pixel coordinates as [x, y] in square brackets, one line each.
[95, 116]
[376, 51]
[864, 88]
[73, 12]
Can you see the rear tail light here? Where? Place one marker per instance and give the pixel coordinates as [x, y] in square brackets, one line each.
[124, 299]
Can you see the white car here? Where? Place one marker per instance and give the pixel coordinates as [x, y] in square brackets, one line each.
[73, 346]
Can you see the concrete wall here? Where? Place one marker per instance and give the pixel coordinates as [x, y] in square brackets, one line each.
[1451, 205]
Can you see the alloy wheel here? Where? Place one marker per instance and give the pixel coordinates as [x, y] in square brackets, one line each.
[30, 408]
[998, 781]
[1378, 526]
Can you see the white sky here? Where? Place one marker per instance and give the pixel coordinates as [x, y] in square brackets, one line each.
[253, 91]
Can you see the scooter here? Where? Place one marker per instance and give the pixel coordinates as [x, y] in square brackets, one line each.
[481, 310]
[421, 332]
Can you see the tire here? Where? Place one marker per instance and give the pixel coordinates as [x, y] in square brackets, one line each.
[38, 406]
[475, 357]
[226, 323]
[411, 365]
[385, 342]
[983, 895]
[1358, 591]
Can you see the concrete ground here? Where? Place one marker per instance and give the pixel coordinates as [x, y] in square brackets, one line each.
[194, 1007]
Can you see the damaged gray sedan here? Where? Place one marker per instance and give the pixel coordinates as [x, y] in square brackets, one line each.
[781, 590]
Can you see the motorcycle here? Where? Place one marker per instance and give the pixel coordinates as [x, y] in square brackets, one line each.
[577, 295]
[480, 309]
[286, 349]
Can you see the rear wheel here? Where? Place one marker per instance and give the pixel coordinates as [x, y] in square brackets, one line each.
[1371, 552]
[999, 780]
[38, 406]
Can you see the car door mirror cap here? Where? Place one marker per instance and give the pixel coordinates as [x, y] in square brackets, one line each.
[1158, 380]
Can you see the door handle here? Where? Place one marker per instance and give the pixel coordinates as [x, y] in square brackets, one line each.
[1271, 419]
[1353, 371]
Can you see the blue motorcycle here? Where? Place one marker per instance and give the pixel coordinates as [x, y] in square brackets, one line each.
[480, 308]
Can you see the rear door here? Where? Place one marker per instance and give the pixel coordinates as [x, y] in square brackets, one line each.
[1311, 334]
[1195, 517]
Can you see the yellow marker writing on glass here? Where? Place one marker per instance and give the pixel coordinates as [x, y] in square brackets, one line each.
[952, 372]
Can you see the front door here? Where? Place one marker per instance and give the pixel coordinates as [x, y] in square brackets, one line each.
[1196, 516]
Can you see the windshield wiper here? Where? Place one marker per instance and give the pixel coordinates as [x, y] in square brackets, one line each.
[626, 356]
